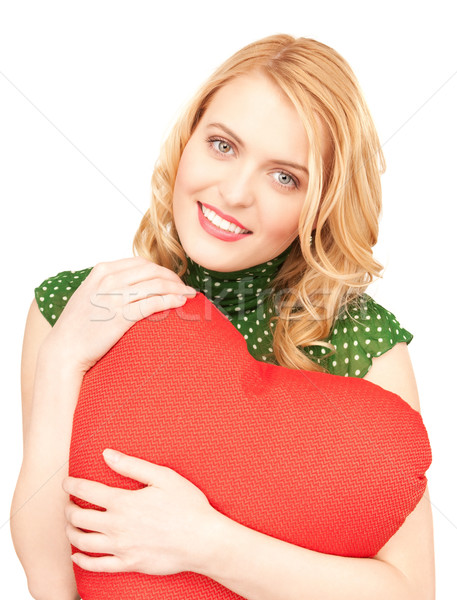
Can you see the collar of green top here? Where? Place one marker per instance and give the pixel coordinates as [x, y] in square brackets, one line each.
[236, 293]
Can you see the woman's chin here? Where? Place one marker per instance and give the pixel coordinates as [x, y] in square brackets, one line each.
[217, 255]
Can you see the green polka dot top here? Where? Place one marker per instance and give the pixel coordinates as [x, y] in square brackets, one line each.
[363, 332]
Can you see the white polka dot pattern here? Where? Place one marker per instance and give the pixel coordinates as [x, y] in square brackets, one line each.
[355, 339]
[53, 293]
[357, 342]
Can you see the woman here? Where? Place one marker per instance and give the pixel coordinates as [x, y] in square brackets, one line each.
[270, 176]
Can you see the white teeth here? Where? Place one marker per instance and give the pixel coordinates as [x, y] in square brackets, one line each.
[217, 220]
[220, 222]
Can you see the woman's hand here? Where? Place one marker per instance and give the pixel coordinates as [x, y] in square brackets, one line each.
[161, 529]
[107, 303]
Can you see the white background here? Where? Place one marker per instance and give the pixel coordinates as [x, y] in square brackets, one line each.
[88, 91]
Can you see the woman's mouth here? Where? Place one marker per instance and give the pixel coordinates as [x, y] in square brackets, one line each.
[219, 227]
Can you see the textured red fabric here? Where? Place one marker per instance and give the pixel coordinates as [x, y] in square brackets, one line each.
[333, 464]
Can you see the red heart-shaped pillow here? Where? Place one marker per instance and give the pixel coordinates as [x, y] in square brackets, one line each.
[329, 463]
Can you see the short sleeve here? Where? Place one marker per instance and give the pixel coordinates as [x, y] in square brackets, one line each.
[53, 293]
[364, 331]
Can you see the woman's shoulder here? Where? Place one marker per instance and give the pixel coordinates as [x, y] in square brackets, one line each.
[54, 292]
[363, 331]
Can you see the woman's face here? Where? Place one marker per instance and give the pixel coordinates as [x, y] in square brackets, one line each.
[236, 203]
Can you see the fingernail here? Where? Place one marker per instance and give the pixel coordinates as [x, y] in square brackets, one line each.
[110, 455]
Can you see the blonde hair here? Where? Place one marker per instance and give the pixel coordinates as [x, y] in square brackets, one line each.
[317, 281]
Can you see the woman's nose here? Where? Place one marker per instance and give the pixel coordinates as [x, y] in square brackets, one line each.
[237, 189]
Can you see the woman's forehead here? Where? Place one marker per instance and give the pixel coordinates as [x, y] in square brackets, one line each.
[257, 111]
[253, 95]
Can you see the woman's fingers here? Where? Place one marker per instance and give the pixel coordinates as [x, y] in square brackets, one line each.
[99, 564]
[120, 298]
[87, 542]
[118, 288]
[158, 287]
[133, 270]
[92, 491]
[135, 311]
[86, 518]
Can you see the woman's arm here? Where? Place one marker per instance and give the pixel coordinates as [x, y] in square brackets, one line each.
[412, 547]
[49, 394]
[108, 302]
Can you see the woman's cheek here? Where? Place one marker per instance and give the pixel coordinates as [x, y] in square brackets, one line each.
[283, 224]
[194, 174]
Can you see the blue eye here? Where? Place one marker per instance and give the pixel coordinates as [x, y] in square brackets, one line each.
[285, 175]
[285, 179]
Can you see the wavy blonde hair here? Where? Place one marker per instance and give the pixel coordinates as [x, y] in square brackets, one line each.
[318, 280]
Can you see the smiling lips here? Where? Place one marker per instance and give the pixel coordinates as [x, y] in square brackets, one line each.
[220, 225]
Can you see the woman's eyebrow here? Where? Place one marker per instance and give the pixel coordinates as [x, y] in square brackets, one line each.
[239, 141]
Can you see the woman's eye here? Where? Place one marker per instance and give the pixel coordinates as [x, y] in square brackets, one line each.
[285, 180]
[220, 145]
[223, 147]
